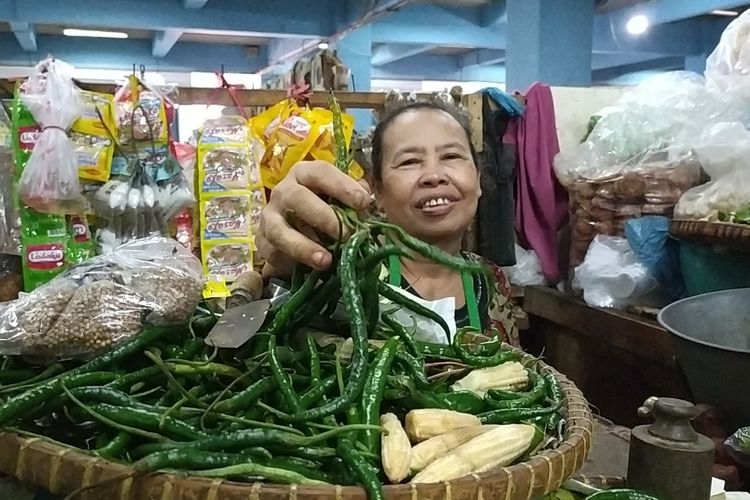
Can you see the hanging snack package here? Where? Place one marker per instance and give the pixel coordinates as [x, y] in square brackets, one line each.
[80, 244]
[97, 115]
[324, 148]
[43, 259]
[226, 216]
[227, 259]
[142, 119]
[104, 301]
[93, 156]
[225, 130]
[227, 168]
[288, 133]
[49, 182]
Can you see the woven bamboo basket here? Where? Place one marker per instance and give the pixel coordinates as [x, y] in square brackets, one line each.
[62, 470]
[713, 233]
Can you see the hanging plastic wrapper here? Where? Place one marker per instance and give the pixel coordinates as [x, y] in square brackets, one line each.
[104, 301]
[528, 269]
[49, 182]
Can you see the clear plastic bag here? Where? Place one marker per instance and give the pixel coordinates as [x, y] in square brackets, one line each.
[724, 152]
[100, 303]
[49, 182]
[528, 269]
[728, 66]
[611, 275]
[9, 220]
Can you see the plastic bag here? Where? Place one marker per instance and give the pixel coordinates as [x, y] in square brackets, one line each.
[728, 66]
[528, 269]
[649, 238]
[9, 220]
[49, 182]
[611, 275]
[102, 302]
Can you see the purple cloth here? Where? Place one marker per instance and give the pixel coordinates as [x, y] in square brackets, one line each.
[541, 202]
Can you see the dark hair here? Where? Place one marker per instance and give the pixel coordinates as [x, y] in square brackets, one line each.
[377, 139]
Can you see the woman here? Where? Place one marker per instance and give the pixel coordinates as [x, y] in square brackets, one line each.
[425, 179]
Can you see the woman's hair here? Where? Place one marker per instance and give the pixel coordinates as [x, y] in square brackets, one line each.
[380, 129]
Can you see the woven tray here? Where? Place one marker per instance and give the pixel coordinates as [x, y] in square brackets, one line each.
[62, 470]
[713, 233]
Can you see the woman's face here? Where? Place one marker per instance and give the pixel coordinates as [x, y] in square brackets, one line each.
[430, 184]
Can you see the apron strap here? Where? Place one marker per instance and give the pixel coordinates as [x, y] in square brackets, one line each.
[467, 280]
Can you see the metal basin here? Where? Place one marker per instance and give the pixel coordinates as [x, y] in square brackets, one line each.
[713, 348]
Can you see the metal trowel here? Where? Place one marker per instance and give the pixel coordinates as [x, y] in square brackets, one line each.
[238, 324]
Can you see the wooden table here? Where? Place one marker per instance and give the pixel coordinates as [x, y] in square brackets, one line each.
[617, 359]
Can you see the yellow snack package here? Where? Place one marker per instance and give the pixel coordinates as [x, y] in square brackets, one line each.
[93, 156]
[227, 167]
[290, 143]
[227, 258]
[226, 215]
[324, 148]
[89, 122]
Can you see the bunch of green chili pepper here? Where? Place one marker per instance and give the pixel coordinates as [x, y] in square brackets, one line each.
[284, 408]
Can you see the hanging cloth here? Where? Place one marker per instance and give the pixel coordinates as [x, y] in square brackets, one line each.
[541, 205]
[496, 205]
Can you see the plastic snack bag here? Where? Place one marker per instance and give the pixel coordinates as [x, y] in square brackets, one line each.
[227, 258]
[49, 182]
[93, 156]
[226, 216]
[97, 115]
[44, 257]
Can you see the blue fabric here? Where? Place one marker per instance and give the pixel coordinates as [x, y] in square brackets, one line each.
[505, 100]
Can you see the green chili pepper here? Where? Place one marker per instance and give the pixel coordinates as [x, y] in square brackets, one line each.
[312, 352]
[360, 468]
[187, 459]
[153, 421]
[621, 494]
[373, 392]
[526, 399]
[462, 401]
[246, 438]
[301, 466]
[317, 392]
[513, 415]
[246, 397]
[358, 326]
[554, 390]
[115, 447]
[400, 299]
[291, 398]
[28, 401]
[414, 368]
[402, 332]
[479, 361]
[274, 475]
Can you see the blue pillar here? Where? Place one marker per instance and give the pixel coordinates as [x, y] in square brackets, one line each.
[355, 51]
[549, 42]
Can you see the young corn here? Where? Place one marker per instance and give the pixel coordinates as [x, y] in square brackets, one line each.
[426, 452]
[424, 424]
[498, 447]
[395, 449]
[511, 376]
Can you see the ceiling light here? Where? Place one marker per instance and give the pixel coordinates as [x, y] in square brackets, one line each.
[728, 13]
[323, 45]
[638, 24]
[95, 33]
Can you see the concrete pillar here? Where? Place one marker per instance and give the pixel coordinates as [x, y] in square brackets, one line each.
[549, 42]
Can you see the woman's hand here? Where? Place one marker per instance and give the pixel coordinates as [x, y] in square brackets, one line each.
[295, 211]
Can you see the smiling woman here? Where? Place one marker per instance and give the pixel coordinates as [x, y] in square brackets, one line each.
[425, 179]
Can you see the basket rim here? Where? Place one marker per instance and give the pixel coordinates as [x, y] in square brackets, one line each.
[578, 436]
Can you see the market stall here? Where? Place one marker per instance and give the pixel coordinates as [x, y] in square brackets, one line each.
[117, 378]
